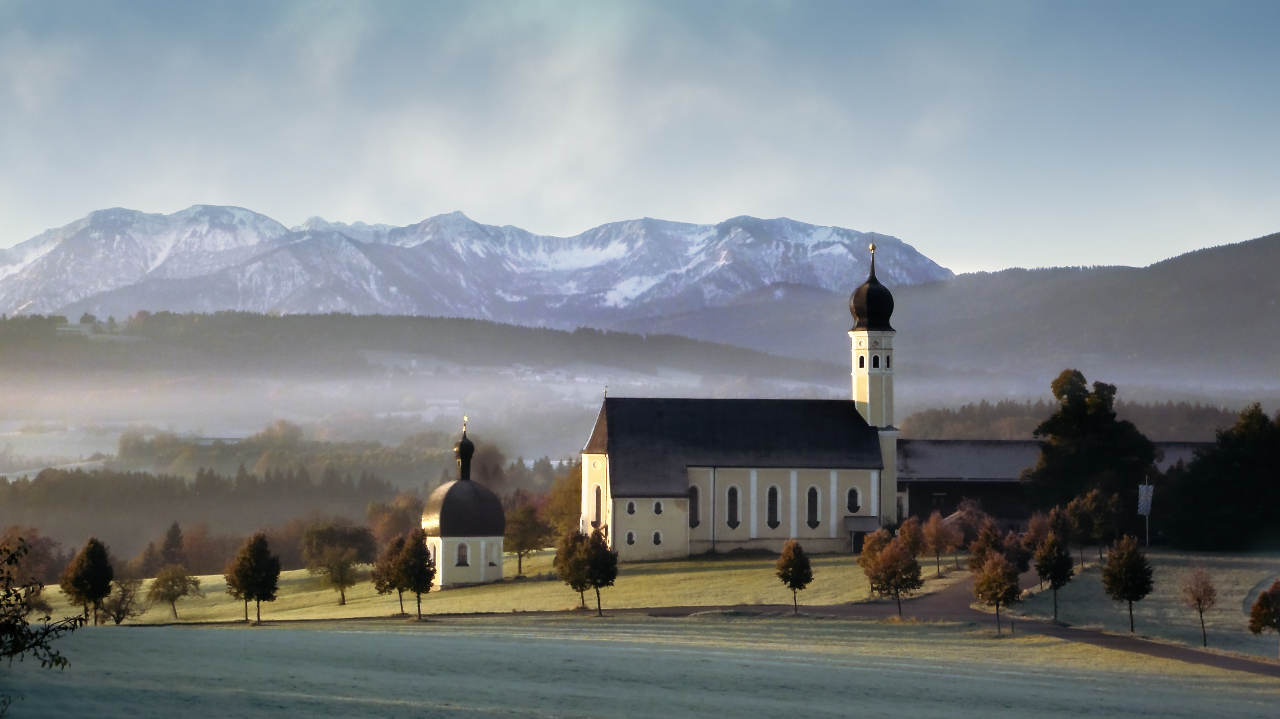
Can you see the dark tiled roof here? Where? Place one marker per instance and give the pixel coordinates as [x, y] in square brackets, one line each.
[651, 442]
[462, 508]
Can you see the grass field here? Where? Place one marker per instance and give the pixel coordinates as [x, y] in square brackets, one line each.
[1162, 615]
[716, 665]
[701, 581]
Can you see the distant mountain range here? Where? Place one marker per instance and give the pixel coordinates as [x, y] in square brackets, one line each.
[208, 258]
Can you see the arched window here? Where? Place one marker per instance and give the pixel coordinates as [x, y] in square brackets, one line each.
[862, 361]
[772, 503]
[875, 362]
[733, 508]
[631, 537]
[888, 361]
[694, 510]
[811, 504]
[657, 537]
[657, 507]
[855, 501]
[462, 556]
[596, 522]
[631, 507]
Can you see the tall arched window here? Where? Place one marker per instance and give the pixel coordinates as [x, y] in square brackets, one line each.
[599, 495]
[694, 509]
[657, 537]
[855, 501]
[631, 507]
[875, 362]
[631, 537]
[657, 507]
[772, 503]
[811, 505]
[862, 361]
[732, 505]
[462, 555]
[888, 361]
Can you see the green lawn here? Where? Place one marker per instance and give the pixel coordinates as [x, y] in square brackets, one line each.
[701, 581]
[1162, 615]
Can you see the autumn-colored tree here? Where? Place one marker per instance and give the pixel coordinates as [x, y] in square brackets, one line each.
[602, 565]
[1264, 615]
[989, 541]
[1017, 552]
[417, 567]
[911, 535]
[872, 545]
[1199, 593]
[996, 584]
[563, 510]
[1126, 577]
[939, 538]
[895, 573]
[526, 532]
[386, 574]
[87, 579]
[1053, 565]
[1037, 529]
[969, 518]
[172, 584]
[571, 563]
[794, 570]
[396, 518]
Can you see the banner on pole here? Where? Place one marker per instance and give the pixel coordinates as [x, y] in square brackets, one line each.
[1144, 499]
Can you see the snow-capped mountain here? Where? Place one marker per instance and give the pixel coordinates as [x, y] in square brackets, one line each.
[116, 262]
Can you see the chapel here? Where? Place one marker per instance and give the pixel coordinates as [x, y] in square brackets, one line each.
[465, 525]
[666, 478]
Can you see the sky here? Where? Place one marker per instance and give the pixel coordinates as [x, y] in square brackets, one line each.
[987, 135]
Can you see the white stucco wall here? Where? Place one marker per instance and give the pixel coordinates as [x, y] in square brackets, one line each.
[484, 560]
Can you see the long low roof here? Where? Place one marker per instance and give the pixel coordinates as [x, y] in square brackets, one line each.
[651, 443]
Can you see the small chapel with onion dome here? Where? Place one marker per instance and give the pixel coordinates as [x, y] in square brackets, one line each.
[465, 524]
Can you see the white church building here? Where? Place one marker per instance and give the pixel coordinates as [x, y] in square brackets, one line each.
[667, 478]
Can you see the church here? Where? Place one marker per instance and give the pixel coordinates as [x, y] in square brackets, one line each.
[666, 478]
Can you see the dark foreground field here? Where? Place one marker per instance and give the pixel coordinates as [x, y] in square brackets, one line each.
[704, 666]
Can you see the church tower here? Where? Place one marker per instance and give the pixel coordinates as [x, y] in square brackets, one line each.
[872, 346]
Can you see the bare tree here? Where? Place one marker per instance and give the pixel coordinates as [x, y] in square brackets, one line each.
[124, 602]
[1199, 594]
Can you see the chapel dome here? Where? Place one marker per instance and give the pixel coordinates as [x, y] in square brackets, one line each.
[462, 508]
[871, 304]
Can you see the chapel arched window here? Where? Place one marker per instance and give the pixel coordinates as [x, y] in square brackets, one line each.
[811, 507]
[599, 501]
[631, 507]
[694, 509]
[631, 537]
[657, 537]
[462, 556]
[888, 361]
[732, 506]
[772, 508]
[862, 361]
[657, 507]
[875, 362]
[854, 501]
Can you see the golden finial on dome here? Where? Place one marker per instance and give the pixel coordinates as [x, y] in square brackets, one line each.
[873, 248]
[464, 424]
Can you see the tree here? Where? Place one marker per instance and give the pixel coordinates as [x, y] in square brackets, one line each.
[895, 572]
[87, 579]
[1126, 576]
[526, 532]
[1104, 516]
[171, 584]
[123, 603]
[794, 570]
[18, 638]
[1060, 525]
[911, 536]
[1017, 552]
[1053, 565]
[333, 549]
[571, 563]
[337, 570]
[148, 562]
[1037, 529]
[988, 542]
[386, 574]
[171, 552]
[1225, 499]
[1083, 446]
[1265, 613]
[563, 510]
[602, 565]
[872, 545]
[996, 585]
[1081, 520]
[254, 574]
[396, 518]
[1199, 594]
[939, 538]
[417, 568]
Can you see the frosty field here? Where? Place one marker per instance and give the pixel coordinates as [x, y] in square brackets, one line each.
[570, 666]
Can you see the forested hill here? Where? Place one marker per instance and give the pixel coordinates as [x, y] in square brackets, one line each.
[241, 342]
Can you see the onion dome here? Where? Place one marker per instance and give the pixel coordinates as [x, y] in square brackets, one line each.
[462, 508]
[872, 303]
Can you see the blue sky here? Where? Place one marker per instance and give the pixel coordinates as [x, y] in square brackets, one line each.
[988, 135]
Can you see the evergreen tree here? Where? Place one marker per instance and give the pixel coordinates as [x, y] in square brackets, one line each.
[1264, 615]
[996, 585]
[1053, 565]
[602, 565]
[87, 579]
[571, 563]
[1126, 576]
[895, 573]
[1083, 446]
[171, 552]
[255, 571]
[172, 584]
[417, 567]
[794, 570]
[386, 574]
[1199, 594]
